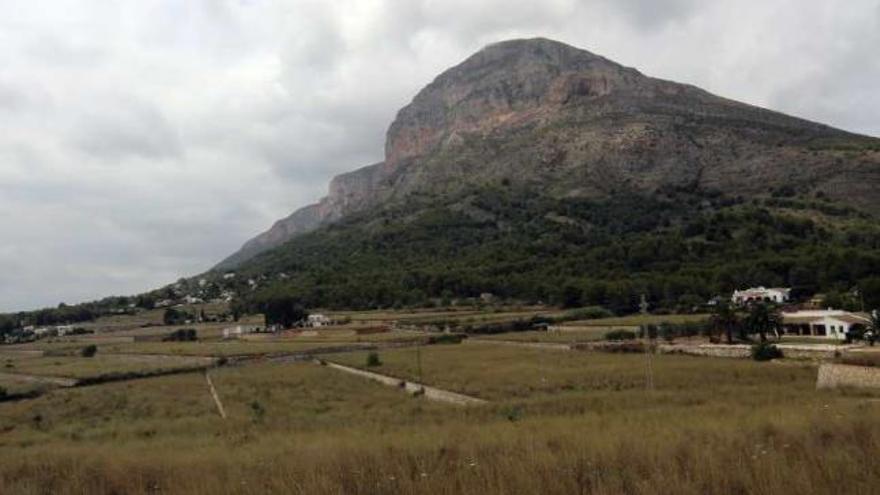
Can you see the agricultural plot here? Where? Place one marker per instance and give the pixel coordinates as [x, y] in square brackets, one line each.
[12, 386]
[633, 321]
[505, 373]
[573, 336]
[462, 316]
[100, 365]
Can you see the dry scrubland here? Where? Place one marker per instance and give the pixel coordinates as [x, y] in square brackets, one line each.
[559, 422]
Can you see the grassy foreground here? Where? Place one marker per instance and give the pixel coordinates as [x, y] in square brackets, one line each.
[710, 426]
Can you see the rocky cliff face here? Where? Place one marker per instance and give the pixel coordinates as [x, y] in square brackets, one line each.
[348, 192]
[569, 122]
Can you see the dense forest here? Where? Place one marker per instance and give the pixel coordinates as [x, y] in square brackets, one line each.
[678, 248]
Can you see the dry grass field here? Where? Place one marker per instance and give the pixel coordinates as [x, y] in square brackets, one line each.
[711, 426]
[558, 422]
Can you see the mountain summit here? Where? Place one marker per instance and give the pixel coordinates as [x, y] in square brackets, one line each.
[567, 123]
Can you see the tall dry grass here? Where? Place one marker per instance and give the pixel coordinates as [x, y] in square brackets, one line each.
[761, 430]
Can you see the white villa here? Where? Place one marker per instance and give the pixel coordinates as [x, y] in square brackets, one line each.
[761, 294]
[827, 323]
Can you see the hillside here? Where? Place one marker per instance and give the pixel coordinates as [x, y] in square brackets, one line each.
[569, 123]
[534, 166]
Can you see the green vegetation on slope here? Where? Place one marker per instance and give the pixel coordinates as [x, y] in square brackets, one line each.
[677, 247]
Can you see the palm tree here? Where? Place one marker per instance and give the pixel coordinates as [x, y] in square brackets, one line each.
[762, 319]
[725, 319]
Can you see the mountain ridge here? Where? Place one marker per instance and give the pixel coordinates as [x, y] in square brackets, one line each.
[572, 123]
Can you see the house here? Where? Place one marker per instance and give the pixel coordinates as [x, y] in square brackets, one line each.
[239, 330]
[317, 320]
[41, 332]
[827, 323]
[761, 294]
[64, 330]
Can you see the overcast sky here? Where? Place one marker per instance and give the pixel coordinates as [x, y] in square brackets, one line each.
[142, 140]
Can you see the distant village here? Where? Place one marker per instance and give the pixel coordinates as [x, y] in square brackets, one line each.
[811, 317]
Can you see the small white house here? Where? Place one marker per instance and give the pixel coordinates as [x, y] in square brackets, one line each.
[41, 332]
[317, 320]
[827, 323]
[761, 294]
[64, 330]
[239, 330]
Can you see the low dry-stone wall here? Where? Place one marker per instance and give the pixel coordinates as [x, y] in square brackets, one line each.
[712, 350]
[846, 375]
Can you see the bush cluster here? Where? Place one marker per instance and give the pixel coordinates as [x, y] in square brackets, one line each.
[619, 335]
[182, 335]
[763, 351]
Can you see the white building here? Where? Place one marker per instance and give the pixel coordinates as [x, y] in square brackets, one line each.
[64, 330]
[827, 323]
[42, 332]
[761, 294]
[239, 330]
[317, 320]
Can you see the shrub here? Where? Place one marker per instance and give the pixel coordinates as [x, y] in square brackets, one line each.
[763, 351]
[588, 313]
[3, 393]
[620, 334]
[622, 348]
[182, 335]
[89, 351]
[258, 411]
[446, 338]
[373, 360]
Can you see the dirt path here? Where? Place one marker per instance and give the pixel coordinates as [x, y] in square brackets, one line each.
[215, 395]
[51, 380]
[412, 388]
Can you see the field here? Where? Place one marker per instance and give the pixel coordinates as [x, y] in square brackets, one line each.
[563, 337]
[557, 421]
[79, 367]
[636, 320]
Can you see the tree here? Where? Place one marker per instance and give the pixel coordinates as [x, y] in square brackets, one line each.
[278, 308]
[725, 319]
[173, 317]
[869, 292]
[874, 327]
[762, 319]
[571, 297]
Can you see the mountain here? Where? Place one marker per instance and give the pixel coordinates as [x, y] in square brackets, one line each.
[540, 172]
[542, 114]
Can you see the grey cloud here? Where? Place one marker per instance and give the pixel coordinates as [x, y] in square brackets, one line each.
[141, 141]
[651, 14]
[114, 128]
